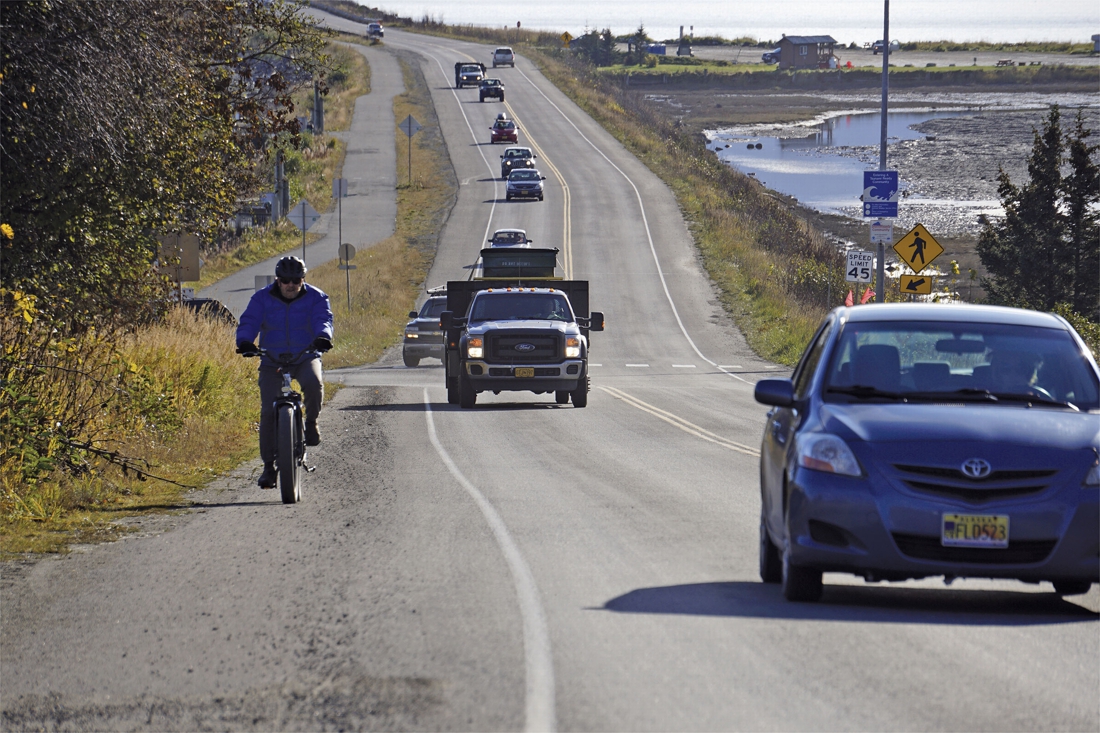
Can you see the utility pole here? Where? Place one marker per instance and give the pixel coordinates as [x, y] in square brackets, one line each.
[880, 271]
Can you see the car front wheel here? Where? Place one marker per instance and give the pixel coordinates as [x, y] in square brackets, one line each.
[800, 583]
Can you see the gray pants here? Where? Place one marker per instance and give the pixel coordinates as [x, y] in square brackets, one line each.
[308, 374]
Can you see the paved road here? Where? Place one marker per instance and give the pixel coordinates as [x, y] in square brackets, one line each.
[525, 565]
[368, 213]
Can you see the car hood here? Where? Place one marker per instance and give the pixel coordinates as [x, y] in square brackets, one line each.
[483, 326]
[922, 425]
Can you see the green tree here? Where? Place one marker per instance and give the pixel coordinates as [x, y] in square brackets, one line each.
[120, 120]
[1046, 249]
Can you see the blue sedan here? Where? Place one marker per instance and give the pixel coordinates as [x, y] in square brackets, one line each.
[918, 440]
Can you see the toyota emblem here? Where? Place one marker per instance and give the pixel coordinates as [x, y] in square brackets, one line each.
[976, 468]
[525, 347]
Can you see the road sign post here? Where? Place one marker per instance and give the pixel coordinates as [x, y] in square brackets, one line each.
[410, 127]
[347, 251]
[303, 216]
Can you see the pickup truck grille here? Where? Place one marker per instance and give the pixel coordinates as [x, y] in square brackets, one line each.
[520, 348]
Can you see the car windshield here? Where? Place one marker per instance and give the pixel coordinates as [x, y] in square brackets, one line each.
[509, 238]
[433, 308]
[468, 69]
[526, 174]
[517, 153]
[504, 124]
[491, 83]
[521, 307]
[967, 361]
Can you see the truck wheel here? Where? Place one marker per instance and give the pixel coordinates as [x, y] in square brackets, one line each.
[502, 97]
[410, 361]
[580, 394]
[561, 397]
[466, 394]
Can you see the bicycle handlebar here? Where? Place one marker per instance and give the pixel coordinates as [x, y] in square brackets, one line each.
[286, 359]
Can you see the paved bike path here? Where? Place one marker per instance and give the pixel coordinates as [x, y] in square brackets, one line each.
[369, 212]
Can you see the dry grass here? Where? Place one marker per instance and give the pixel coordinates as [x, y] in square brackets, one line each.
[203, 422]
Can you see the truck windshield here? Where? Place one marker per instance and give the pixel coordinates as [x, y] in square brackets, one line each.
[521, 307]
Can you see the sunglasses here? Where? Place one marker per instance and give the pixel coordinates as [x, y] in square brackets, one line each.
[290, 280]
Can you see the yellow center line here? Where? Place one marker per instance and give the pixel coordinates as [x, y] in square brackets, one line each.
[567, 220]
[681, 423]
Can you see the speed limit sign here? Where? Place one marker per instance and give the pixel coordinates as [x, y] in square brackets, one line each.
[860, 265]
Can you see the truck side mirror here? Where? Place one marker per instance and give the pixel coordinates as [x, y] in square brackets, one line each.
[413, 314]
[446, 319]
[596, 321]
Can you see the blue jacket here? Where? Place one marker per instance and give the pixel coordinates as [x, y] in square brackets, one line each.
[286, 327]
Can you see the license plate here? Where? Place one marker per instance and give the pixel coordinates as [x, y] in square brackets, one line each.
[524, 371]
[975, 530]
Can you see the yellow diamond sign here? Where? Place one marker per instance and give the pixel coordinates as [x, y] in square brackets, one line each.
[566, 38]
[918, 248]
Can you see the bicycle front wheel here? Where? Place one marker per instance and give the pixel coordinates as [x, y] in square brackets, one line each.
[290, 475]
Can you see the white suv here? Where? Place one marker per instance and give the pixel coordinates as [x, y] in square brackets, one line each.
[503, 56]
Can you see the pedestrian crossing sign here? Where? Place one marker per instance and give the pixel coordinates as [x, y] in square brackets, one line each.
[918, 248]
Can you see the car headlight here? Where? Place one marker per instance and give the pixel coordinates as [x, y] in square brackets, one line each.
[411, 335]
[475, 349]
[572, 347]
[825, 452]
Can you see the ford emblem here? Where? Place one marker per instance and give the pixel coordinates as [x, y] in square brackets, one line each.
[525, 347]
[976, 468]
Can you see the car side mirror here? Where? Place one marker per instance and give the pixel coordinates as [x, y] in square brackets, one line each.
[502, 157]
[413, 314]
[446, 320]
[774, 392]
[543, 177]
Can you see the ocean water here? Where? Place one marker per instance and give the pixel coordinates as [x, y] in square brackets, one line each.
[847, 21]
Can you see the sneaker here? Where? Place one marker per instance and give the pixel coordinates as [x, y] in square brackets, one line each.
[267, 478]
[313, 436]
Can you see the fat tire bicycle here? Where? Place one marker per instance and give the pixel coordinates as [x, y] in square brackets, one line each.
[290, 431]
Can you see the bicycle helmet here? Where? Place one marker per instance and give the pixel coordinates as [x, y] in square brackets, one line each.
[290, 267]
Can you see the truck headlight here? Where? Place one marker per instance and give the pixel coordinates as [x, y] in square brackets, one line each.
[475, 349]
[411, 335]
[572, 348]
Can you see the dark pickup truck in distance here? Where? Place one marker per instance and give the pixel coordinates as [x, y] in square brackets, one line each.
[518, 329]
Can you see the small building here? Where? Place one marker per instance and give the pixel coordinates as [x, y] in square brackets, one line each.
[806, 52]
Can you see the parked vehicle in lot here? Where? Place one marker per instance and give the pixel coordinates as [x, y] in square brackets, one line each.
[771, 57]
[878, 46]
[503, 130]
[491, 89]
[503, 56]
[423, 337]
[509, 238]
[524, 183]
[468, 73]
[917, 440]
[375, 30]
[514, 158]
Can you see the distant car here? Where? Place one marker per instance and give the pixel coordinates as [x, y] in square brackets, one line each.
[503, 56]
[771, 57]
[423, 337]
[877, 46]
[917, 440]
[504, 131]
[524, 183]
[509, 238]
[516, 158]
[492, 88]
[375, 30]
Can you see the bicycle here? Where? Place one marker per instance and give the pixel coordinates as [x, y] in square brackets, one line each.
[290, 431]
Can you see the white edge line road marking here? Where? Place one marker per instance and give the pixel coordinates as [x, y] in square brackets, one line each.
[679, 422]
[540, 708]
[645, 223]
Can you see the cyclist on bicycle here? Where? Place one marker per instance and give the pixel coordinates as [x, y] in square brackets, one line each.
[290, 317]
